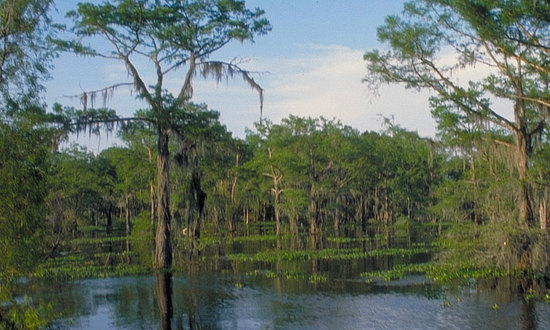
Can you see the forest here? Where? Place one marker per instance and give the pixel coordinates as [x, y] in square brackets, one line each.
[480, 189]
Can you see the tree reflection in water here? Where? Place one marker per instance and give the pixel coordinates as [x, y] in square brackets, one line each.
[163, 293]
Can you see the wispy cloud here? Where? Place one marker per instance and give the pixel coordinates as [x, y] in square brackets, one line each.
[320, 81]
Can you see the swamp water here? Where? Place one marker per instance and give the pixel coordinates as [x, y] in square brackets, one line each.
[235, 302]
[253, 283]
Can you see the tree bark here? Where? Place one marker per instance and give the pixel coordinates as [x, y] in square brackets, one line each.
[313, 211]
[163, 247]
[543, 215]
[277, 211]
[522, 141]
[152, 205]
[109, 224]
[128, 228]
[127, 216]
[197, 199]
[196, 207]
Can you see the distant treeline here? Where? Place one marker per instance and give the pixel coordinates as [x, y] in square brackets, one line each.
[305, 174]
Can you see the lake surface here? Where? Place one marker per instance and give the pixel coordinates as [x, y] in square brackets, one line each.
[212, 301]
[230, 288]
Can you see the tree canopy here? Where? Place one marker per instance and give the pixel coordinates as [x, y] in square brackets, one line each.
[25, 52]
[169, 35]
[507, 44]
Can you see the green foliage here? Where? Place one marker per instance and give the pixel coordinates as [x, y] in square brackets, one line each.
[169, 35]
[25, 51]
[81, 190]
[434, 43]
[24, 166]
[142, 239]
[320, 169]
[500, 245]
[180, 25]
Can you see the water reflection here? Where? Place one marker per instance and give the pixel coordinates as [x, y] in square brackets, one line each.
[221, 293]
[163, 294]
[528, 315]
[193, 301]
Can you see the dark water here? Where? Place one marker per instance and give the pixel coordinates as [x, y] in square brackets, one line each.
[309, 294]
[212, 301]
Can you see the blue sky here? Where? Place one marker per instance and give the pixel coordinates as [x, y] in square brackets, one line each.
[311, 65]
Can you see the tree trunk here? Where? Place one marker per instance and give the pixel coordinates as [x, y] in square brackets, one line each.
[522, 140]
[109, 224]
[152, 207]
[277, 211]
[293, 220]
[313, 212]
[196, 207]
[523, 150]
[338, 213]
[128, 229]
[163, 247]
[197, 197]
[543, 215]
[151, 189]
[127, 216]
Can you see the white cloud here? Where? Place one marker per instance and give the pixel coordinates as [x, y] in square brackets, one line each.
[318, 81]
[326, 81]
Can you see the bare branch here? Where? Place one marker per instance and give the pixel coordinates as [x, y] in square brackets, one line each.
[187, 88]
[106, 94]
[495, 117]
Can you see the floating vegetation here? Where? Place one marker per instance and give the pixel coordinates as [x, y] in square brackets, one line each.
[443, 273]
[290, 275]
[316, 278]
[326, 254]
[99, 240]
[114, 254]
[76, 266]
[218, 240]
[74, 272]
[255, 238]
[342, 240]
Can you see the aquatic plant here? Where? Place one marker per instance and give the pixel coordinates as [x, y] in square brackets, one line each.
[99, 240]
[290, 275]
[326, 254]
[317, 278]
[346, 239]
[444, 273]
[64, 271]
